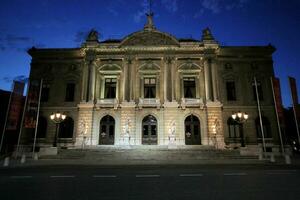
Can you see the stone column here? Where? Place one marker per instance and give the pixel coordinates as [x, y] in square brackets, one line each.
[84, 82]
[173, 72]
[91, 81]
[165, 64]
[208, 88]
[131, 77]
[214, 72]
[126, 79]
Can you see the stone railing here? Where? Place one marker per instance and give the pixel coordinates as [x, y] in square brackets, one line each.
[144, 102]
[108, 103]
[191, 102]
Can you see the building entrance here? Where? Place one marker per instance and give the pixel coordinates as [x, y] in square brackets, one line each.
[192, 130]
[107, 131]
[149, 128]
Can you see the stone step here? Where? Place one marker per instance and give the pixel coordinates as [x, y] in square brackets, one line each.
[150, 154]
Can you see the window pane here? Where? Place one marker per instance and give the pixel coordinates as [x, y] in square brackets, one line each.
[111, 130]
[110, 88]
[189, 88]
[149, 88]
[70, 90]
[145, 130]
[259, 91]
[231, 94]
[45, 93]
[153, 129]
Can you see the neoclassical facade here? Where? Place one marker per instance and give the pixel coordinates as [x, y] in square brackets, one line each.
[151, 88]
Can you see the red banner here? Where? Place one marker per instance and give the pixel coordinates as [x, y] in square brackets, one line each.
[294, 90]
[32, 104]
[15, 108]
[277, 96]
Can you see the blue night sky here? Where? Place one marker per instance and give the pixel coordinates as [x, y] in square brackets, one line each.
[65, 23]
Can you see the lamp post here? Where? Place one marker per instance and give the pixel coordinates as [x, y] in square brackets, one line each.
[57, 118]
[240, 118]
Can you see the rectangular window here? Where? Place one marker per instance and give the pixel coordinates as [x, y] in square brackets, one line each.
[70, 92]
[189, 85]
[110, 88]
[259, 91]
[45, 93]
[230, 88]
[149, 87]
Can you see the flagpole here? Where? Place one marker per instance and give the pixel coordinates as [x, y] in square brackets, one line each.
[22, 121]
[277, 117]
[6, 116]
[37, 119]
[294, 110]
[259, 114]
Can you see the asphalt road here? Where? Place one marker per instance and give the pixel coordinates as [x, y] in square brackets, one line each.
[150, 182]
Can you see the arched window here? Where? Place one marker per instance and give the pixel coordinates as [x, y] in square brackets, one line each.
[66, 128]
[192, 130]
[149, 127]
[234, 128]
[42, 127]
[107, 130]
[266, 127]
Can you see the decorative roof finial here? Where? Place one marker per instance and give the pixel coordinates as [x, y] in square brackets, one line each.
[149, 25]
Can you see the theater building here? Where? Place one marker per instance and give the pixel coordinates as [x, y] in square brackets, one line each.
[151, 88]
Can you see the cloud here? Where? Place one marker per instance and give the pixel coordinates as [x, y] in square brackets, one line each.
[170, 5]
[17, 42]
[140, 13]
[217, 6]
[9, 79]
[114, 12]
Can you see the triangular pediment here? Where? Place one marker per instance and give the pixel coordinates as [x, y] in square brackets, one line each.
[189, 66]
[110, 67]
[149, 66]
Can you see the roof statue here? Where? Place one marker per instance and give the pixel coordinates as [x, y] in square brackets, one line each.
[207, 35]
[149, 25]
[92, 36]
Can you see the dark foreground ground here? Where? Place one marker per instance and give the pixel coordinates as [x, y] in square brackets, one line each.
[151, 182]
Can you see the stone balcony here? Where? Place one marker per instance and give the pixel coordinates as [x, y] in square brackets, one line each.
[108, 103]
[191, 102]
[144, 102]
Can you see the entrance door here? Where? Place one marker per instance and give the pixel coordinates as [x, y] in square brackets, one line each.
[107, 131]
[192, 130]
[149, 127]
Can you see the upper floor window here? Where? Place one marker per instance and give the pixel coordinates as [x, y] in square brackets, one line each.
[231, 93]
[70, 92]
[189, 87]
[110, 88]
[259, 91]
[149, 87]
[45, 93]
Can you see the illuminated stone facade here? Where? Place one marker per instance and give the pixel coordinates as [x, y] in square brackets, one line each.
[152, 88]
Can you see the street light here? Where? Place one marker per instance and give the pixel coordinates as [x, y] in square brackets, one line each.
[240, 118]
[57, 118]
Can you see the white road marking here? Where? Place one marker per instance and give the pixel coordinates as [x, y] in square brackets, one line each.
[21, 177]
[62, 176]
[104, 176]
[190, 175]
[235, 174]
[147, 176]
